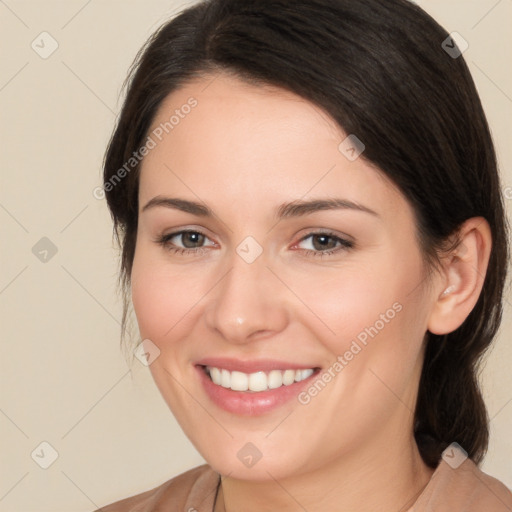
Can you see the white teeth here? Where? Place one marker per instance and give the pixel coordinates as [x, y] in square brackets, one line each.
[275, 379]
[289, 376]
[307, 373]
[258, 381]
[239, 381]
[225, 379]
[215, 374]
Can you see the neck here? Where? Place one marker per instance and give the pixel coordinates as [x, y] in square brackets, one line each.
[366, 481]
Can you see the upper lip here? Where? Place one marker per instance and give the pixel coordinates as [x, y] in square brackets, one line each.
[252, 366]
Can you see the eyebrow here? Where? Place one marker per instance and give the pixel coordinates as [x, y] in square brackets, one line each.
[287, 210]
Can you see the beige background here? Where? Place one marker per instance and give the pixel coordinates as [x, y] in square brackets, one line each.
[64, 379]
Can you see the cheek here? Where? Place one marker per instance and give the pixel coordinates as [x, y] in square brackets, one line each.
[165, 297]
[373, 322]
[355, 301]
[154, 299]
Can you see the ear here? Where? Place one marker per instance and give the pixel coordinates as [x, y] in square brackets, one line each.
[462, 279]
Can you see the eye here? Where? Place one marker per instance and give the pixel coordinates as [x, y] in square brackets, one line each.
[191, 242]
[324, 244]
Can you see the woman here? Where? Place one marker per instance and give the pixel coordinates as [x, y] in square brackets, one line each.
[313, 237]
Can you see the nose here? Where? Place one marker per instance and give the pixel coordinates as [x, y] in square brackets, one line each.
[247, 303]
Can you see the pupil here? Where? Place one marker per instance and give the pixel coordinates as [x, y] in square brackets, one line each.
[324, 239]
[193, 237]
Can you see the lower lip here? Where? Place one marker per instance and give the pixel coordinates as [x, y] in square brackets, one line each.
[251, 403]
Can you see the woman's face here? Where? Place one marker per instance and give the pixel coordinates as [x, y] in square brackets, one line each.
[265, 282]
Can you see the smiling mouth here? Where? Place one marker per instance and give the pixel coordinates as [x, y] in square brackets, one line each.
[258, 381]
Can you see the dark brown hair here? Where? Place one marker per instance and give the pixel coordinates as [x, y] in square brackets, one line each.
[380, 71]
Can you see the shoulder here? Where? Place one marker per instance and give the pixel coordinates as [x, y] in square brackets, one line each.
[465, 488]
[191, 491]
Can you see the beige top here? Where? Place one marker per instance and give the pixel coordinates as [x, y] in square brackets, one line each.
[464, 489]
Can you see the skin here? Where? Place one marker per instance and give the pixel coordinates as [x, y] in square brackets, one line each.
[244, 151]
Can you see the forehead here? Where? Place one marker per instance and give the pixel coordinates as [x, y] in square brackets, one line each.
[231, 113]
[240, 140]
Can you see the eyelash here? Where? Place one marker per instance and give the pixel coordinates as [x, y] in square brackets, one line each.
[164, 241]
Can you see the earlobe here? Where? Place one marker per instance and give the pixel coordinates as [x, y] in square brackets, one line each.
[464, 270]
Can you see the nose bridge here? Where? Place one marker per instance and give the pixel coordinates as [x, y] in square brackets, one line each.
[247, 299]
